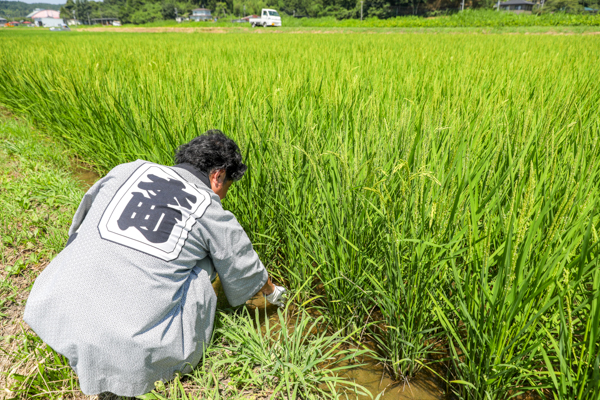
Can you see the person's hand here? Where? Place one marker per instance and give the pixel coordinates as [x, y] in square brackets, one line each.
[278, 297]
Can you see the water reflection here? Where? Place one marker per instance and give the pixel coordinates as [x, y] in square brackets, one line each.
[423, 387]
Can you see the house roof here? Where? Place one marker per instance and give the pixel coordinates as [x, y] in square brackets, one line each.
[33, 12]
[201, 9]
[516, 3]
[46, 14]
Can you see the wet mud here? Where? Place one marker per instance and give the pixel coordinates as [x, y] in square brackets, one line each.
[84, 174]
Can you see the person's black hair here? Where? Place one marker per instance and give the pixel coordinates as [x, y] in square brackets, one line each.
[212, 151]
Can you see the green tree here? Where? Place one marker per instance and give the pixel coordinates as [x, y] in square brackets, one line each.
[66, 11]
[567, 6]
[377, 8]
[83, 10]
[220, 9]
[149, 12]
[168, 10]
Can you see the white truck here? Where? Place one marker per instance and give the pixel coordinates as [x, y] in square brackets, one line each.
[268, 17]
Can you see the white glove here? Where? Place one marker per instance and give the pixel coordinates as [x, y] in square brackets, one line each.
[278, 297]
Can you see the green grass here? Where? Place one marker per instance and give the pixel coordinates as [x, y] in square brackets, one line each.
[38, 197]
[438, 193]
[299, 361]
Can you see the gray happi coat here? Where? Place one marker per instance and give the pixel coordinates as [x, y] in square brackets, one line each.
[129, 301]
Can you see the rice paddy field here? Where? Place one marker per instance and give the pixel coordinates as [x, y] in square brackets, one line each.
[434, 196]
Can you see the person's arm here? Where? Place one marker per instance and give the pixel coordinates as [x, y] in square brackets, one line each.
[268, 288]
[240, 270]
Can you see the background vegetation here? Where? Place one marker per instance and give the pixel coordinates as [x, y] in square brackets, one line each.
[161, 12]
[434, 193]
[333, 11]
[468, 18]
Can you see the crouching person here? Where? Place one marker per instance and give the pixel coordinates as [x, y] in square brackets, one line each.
[129, 300]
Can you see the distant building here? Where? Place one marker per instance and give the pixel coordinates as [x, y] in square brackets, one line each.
[201, 14]
[517, 6]
[3, 21]
[44, 14]
[46, 18]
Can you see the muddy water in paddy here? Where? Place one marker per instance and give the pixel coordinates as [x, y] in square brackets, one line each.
[371, 376]
[85, 176]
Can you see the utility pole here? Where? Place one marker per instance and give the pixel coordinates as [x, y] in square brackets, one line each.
[462, 6]
[498, 6]
[176, 14]
[361, 9]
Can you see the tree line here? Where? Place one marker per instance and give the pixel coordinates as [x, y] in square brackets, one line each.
[143, 11]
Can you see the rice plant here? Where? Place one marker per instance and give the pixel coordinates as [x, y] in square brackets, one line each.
[436, 194]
